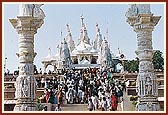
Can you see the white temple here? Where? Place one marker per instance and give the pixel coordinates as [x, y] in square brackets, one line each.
[83, 55]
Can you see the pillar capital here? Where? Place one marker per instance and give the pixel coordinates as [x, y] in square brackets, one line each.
[26, 24]
[142, 22]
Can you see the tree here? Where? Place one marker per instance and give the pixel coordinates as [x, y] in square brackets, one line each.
[132, 65]
[158, 60]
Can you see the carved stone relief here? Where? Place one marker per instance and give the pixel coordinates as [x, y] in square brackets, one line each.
[145, 66]
[25, 87]
[24, 107]
[26, 69]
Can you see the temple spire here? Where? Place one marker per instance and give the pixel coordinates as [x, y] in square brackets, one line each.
[107, 33]
[82, 18]
[83, 33]
[97, 28]
[69, 39]
[98, 40]
[49, 51]
[119, 52]
[68, 29]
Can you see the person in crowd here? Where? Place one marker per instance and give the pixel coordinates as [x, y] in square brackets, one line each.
[60, 96]
[90, 104]
[47, 95]
[120, 94]
[114, 102]
[44, 108]
[70, 95]
[42, 82]
[95, 102]
[58, 108]
[80, 95]
[108, 102]
[51, 97]
[104, 104]
[92, 86]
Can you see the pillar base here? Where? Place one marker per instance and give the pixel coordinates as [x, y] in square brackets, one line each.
[26, 107]
[148, 106]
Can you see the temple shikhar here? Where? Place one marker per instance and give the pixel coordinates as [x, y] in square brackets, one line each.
[84, 54]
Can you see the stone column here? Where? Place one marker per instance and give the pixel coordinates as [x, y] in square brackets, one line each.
[26, 25]
[143, 23]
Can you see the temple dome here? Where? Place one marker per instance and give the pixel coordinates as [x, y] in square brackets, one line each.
[74, 52]
[93, 50]
[83, 47]
[48, 58]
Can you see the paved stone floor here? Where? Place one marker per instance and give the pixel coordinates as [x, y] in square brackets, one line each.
[80, 107]
[127, 104]
[74, 107]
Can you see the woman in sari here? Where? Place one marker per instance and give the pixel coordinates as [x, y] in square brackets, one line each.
[114, 102]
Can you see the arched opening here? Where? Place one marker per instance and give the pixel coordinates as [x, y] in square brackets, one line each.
[49, 69]
[75, 61]
[93, 61]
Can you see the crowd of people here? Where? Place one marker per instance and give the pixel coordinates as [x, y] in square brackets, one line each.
[95, 87]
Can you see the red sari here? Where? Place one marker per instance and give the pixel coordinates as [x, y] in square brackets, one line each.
[47, 96]
[114, 102]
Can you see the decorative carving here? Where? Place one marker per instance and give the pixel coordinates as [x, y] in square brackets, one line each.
[132, 10]
[38, 12]
[145, 42]
[148, 86]
[26, 68]
[26, 9]
[24, 107]
[25, 87]
[143, 8]
[135, 9]
[145, 66]
[33, 10]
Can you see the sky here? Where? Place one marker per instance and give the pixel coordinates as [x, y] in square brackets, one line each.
[108, 15]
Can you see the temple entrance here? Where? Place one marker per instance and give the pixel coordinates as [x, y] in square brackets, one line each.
[93, 61]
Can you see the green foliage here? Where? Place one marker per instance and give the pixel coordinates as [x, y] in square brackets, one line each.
[133, 83]
[111, 81]
[133, 98]
[134, 103]
[131, 65]
[158, 60]
[39, 105]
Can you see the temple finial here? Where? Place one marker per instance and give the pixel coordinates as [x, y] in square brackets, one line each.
[49, 51]
[97, 27]
[82, 18]
[68, 28]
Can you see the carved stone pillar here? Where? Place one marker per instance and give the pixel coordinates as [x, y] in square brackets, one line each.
[147, 86]
[26, 26]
